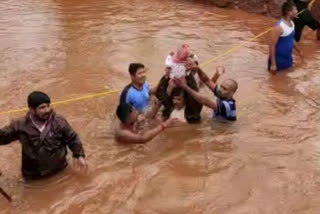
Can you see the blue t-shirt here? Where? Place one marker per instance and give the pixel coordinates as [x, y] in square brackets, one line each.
[136, 98]
[225, 108]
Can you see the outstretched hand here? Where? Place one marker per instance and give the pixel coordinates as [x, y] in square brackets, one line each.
[220, 70]
[80, 164]
[172, 122]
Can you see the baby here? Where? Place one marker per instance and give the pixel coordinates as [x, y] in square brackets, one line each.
[175, 63]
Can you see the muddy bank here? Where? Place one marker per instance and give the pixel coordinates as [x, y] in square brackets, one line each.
[264, 7]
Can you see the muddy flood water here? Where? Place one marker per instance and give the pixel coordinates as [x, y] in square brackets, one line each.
[265, 163]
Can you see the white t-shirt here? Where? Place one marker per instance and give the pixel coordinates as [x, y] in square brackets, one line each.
[179, 114]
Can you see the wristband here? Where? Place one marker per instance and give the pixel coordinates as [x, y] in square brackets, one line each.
[162, 126]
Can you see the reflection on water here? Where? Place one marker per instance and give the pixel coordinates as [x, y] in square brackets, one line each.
[71, 48]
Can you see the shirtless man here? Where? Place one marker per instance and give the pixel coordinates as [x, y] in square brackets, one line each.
[128, 131]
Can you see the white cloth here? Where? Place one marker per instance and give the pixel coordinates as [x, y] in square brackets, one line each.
[169, 61]
[177, 70]
[40, 128]
[287, 30]
[179, 114]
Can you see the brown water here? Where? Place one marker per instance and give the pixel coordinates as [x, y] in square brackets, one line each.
[266, 162]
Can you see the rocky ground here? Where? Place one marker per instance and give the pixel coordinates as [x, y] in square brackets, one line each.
[264, 7]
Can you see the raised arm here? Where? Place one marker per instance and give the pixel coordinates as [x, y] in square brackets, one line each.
[205, 79]
[210, 83]
[196, 95]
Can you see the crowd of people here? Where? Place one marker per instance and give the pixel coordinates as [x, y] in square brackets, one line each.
[45, 135]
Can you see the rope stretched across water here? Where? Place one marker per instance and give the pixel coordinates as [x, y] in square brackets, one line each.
[106, 93]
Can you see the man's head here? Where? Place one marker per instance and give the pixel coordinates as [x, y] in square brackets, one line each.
[178, 98]
[227, 89]
[39, 105]
[289, 10]
[138, 73]
[190, 63]
[127, 114]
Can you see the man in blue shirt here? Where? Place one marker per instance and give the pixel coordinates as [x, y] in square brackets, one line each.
[137, 92]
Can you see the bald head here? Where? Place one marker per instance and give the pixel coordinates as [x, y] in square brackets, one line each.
[227, 89]
[233, 84]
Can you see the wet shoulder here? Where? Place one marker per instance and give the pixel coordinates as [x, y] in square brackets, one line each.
[146, 86]
[124, 94]
[278, 22]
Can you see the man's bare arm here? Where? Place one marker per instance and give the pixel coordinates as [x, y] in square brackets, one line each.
[127, 136]
[275, 34]
[196, 95]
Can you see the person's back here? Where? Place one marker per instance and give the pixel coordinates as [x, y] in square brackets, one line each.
[192, 107]
[304, 18]
[315, 11]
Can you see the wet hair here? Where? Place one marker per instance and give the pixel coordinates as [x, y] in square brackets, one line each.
[123, 111]
[37, 98]
[178, 92]
[234, 83]
[194, 60]
[133, 68]
[287, 7]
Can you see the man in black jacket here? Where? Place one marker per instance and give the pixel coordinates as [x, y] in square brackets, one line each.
[44, 137]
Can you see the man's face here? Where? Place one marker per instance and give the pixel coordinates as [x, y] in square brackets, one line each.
[189, 64]
[293, 13]
[139, 77]
[133, 117]
[226, 90]
[43, 111]
[178, 101]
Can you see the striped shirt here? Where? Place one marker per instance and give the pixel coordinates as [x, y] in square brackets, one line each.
[225, 108]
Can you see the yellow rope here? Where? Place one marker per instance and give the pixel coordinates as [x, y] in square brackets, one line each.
[236, 47]
[310, 5]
